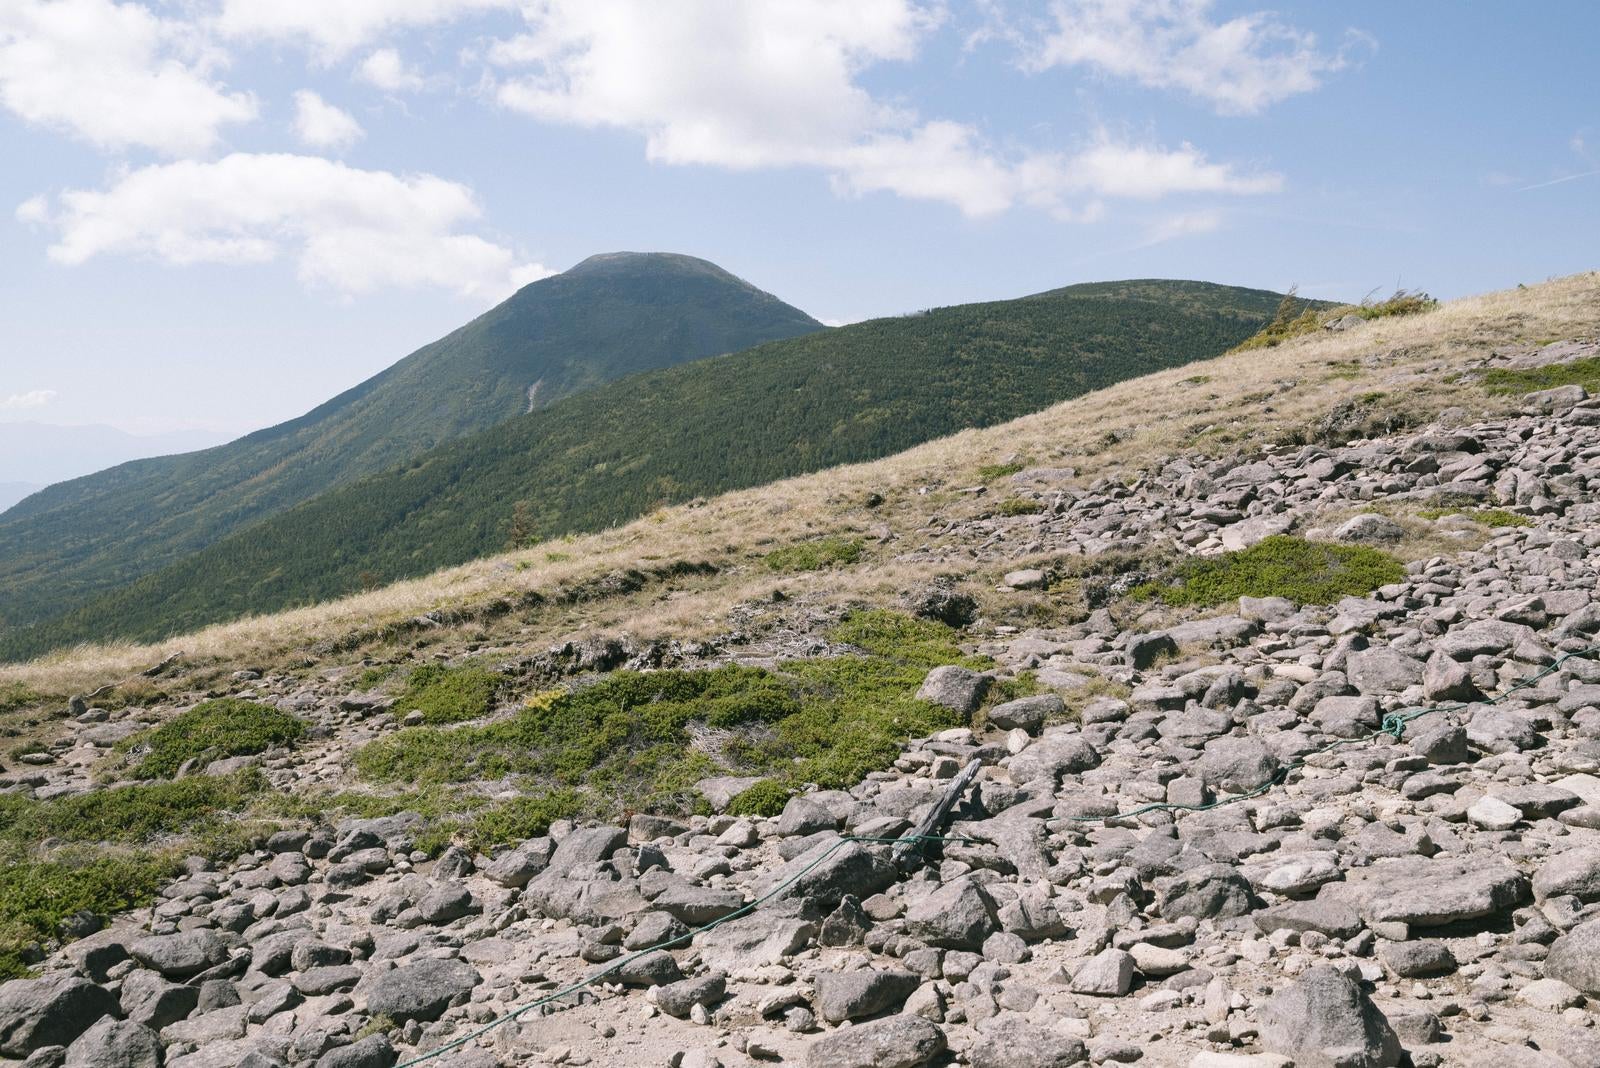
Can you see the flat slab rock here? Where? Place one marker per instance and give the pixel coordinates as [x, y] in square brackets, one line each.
[1431, 893]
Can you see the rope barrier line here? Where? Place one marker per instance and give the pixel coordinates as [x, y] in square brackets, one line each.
[1393, 726]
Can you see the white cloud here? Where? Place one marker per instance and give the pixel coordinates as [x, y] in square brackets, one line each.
[387, 71]
[321, 124]
[1239, 66]
[335, 27]
[115, 75]
[350, 230]
[1183, 224]
[782, 91]
[34, 398]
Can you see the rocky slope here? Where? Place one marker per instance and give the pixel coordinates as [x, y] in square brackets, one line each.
[1427, 893]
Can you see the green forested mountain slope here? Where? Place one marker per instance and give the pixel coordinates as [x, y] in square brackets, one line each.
[610, 316]
[612, 453]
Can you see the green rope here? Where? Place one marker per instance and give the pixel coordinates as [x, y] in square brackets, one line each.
[1394, 726]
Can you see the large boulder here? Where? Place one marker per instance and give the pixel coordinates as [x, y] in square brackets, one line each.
[180, 956]
[959, 689]
[1011, 1041]
[1053, 756]
[958, 915]
[52, 1011]
[586, 847]
[1026, 713]
[1325, 1020]
[1574, 958]
[1382, 671]
[115, 1044]
[865, 992]
[1431, 893]
[1237, 765]
[894, 1042]
[1575, 872]
[421, 991]
[829, 870]
[1205, 892]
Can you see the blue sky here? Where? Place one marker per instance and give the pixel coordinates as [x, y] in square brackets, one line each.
[218, 213]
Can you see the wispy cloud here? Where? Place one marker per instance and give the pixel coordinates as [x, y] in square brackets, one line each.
[1559, 181]
[34, 398]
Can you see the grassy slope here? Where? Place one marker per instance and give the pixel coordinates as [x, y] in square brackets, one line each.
[1233, 404]
[614, 453]
[608, 317]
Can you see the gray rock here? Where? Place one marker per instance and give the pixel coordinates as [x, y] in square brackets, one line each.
[153, 1001]
[1414, 960]
[698, 905]
[1382, 671]
[374, 1051]
[1325, 1020]
[720, 790]
[1446, 679]
[1431, 893]
[1574, 958]
[1011, 1041]
[1206, 892]
[653, 929]
[1332, 918]
[445, 904]
[180, 956]
[1237, 765]
[421, 991]
[115, 1044]
[656, 968]
[959, 689]
[1028, 578]
[801, 815]
[1053, 756]
[1369, 527]
[1108, 973]
[1026, 713]
[1347, 717]
[865, 992]
[958, 915]
[585, 847]
[52, 1011]
[515, 868]
[1575, 872]
[829, 870]
[894, 1042]
[1442, 741]
[679, 999]
[1142, 651]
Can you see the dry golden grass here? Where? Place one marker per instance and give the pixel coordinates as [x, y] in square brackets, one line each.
[1241, 402]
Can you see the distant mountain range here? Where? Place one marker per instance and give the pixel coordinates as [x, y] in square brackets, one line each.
[37, 454]
[614, 451]
[610, 316]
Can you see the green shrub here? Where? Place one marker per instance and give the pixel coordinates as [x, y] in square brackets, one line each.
[36, 896]
[1296, 317]
[1585, 373]
[15, 695]
[640, 740]
[522, 818]
[130, 814]
[1280, 566]
[897, 636]
[449, 695]
[765, 798]
[990, 472]
[225, 727]
[815, 555]
[1014, 506]
[1489, 517]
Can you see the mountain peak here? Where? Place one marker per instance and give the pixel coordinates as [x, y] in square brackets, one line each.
[648, 262]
